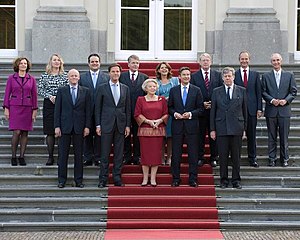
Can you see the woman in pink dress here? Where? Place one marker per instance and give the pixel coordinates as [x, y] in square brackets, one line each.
[151, 114]
[20, 106]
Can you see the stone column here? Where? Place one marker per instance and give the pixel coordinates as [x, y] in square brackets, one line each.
[61, 29]
[254, 29]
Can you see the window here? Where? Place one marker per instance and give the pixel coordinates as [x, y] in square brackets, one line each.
[7, 24]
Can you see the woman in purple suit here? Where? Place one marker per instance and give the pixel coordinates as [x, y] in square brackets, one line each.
[20, 106]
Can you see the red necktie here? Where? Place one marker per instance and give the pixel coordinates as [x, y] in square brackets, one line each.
[206, 80]
[245, 78]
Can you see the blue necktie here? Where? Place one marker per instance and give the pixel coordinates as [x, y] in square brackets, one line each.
[184, 95]
[94, 79]
[73, 95]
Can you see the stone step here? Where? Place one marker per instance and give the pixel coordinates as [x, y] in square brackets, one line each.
[50, 203]
[243, 215]
[53, 191]
[52, 215]
[251, 203]
[259, 192]
[261, 181]
[260, 225]
[52, 226]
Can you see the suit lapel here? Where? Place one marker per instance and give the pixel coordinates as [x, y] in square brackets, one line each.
[108, 89]
[90, 80]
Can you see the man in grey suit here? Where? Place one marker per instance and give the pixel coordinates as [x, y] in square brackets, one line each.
[250, 79]
[72, 120]
[279, 89]
[134, 80]
[228, 120]
[207, 80]
[92, 79]
[112, 119]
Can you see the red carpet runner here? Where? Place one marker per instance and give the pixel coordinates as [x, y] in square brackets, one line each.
[149, 209]
[163, 212]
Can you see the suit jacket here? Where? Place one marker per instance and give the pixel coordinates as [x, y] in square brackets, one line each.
[86, 81]
[20, 94]
[134, 89]
[228, 117]
[287, 90]
[194, 104]
[215, 81]
[254, 97]
[107, 113]
[70, 117]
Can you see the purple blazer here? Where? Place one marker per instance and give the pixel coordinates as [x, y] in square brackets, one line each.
[20, 94]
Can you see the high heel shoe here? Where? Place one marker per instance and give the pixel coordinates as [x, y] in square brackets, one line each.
[144, 184]
[14, 161]
[22, 161]
[50, 161]
[168, 162]
[153, 184]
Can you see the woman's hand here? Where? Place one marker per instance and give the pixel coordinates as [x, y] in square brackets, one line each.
[6, 113]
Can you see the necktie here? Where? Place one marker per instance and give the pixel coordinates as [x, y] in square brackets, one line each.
[132, 77]
[245, 78]
[228, 93]
[184, 95]
[73, 95]
[206, 80]
[277, 79]
[115, 93]
[94, 79]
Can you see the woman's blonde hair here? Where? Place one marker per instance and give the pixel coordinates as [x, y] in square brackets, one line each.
[49, 65]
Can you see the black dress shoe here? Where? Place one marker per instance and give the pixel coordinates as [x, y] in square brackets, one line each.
[254, 164]
[97, 163]
[272, 163]
[193, 184]
[213, 163]
[87, 163]
[61, 185]
[237, 185]
[175, 184]
[50, 161]
[285, 164]
[200, 162]
[118, 184]
[224, 185]
[79, 185]
[14, 161]
[22, 161]
[101, 185]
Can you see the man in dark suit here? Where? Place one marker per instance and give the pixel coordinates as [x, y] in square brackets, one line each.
[250, 80]
[72, 120]
[112, 117]
[134, 80]
[92, 79]
[185, 106]
[279, 89]
[228, 121]
[207, 80]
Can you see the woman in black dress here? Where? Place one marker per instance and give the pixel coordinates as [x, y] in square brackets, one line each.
[49, 82]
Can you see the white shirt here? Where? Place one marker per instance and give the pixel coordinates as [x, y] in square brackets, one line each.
[230, 90]
[135, 74]
[208, 73]
[242, 73]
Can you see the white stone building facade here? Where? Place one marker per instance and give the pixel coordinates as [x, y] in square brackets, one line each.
[172, 30]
